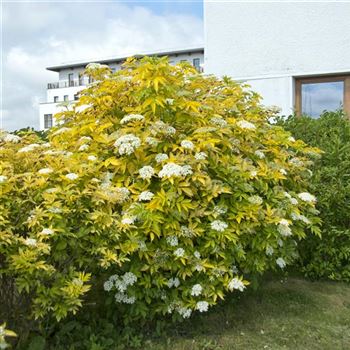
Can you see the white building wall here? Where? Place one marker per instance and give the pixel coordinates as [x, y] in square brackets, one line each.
[269, 43]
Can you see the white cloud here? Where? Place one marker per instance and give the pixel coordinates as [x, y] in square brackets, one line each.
[45, 34]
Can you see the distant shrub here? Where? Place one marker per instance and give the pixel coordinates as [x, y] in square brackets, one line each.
[328, 257]
[161, 189]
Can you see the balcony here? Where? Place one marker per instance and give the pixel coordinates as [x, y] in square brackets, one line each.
[67, 83]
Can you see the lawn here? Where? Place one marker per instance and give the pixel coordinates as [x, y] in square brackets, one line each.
[286, 314]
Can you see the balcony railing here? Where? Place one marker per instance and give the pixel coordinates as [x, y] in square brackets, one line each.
[67, 83]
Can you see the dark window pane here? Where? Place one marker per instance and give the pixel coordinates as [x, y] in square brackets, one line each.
[318, 97]
[47, 121]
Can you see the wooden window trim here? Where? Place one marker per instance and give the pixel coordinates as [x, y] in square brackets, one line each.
[323, 79]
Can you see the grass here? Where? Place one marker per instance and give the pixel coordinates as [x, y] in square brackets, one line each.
[288, 314]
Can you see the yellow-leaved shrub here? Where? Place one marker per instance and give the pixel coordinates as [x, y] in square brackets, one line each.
[162, 188]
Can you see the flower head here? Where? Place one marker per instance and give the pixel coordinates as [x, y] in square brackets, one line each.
[145, 196]
[160, 157]
[131, 118]
[281, 263]
[187, 144]
[45, 171]
[243, 124]
[236, 283]
[202, 306]
[219, 225]
[307, 197]
[71, 176]
[146, 172]
[196, 290]
[127, 144]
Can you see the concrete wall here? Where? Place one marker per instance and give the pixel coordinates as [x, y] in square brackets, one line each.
[269, 43]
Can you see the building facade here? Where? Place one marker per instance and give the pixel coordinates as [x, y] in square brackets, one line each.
[295, 54]
[70, 80]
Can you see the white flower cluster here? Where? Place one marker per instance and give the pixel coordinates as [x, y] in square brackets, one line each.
[3, 178]
[127, 144]
[197, 254]
[307, 197]
[255, 200]
[283, 171]
[31, 242]
[296, 162]
[196, 290]
[219, 225]
[121, 283]
[146, 172]
[283, 228]
[128, 220]
[259, 154]
[28, 148]
[92, 158]
[281, 263]
[85, 138]
[61, 131]
[202, 306]
[172, 169]
[145, 196]
[122, 194]
[160, 126]
[71, 176]
[269, 250]
[47, 231]
[131, 117]
[220, 210]
[173, 282]
[218, 121]
[179, 252]
[84, 147]
[187, 232]
[236, 283]
[9, 138]
[293, 201]
[243, 124]
[160, 157]
[45, 171]
[55, 210]
[298, 217]
[200, 156]
[184, 312]
[172, 241]
[151, 141]
[187, 144]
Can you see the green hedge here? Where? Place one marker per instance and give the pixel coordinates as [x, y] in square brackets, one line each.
[330, 256]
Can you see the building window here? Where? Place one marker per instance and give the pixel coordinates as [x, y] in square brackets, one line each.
[47, 121]
[55, 99]
[197, 63]
[324, 93]
[65, 97]
[76, 97]
[70, 79]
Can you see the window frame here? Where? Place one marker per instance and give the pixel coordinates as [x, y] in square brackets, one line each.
[56, 99]
[299, 81]
[66, 98]
[48, 123]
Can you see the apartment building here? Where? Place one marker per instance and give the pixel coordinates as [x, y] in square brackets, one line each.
[70, 80]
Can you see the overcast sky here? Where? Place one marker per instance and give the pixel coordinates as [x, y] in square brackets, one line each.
[37, 34]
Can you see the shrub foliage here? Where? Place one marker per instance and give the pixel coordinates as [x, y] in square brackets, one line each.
[160, 191]
[328, 257]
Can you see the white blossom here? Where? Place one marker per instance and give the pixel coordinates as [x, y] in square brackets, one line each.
[160, 157]
[269, 250]
[145, 196]
[172, 169]
[255, 200]
[184, 312]
[294, 201]
[173, 282]
[196, 290]
[253, 173]
[284, 230]
[200, 156]
[243, 124]
[146, 172]
[284, 222]
[108, 285]
[197, 254]
[187, 144]
[3, 178]
[307, 197]
[202, 306]
[179, 252]
[172, 241]
[10, 138]
[61, 131]
[123, 298]
[291, 139]
[55, 210]
[45, 171]
[259, 154]
[28, 148]
[151, 141]
[281, 263]
[128, 220]
[283, 171]
[220, 210]
[83, 148]
[129, 278]
[47, 231]
[218, 225]
[131, 117]
[186, 231]
[236, 283]
[71, 176]
[219, 121]
[160, 126]
[30, 242]
[127, 144]
[92, 158]
[85, 138]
